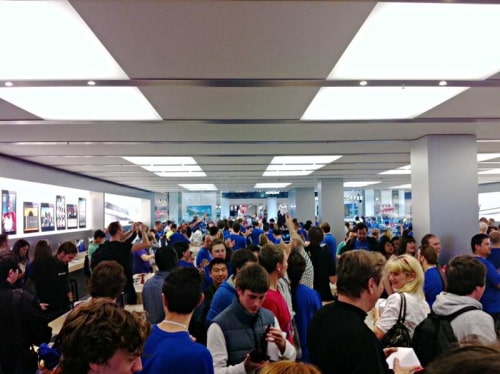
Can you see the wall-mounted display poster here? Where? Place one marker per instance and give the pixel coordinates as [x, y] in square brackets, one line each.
[31, 217]
[9, 225]
[60, 212]
[47, 222]
[82, 212]
[198, 210]
[72, 214]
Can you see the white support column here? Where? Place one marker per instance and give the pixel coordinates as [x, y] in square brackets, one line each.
[445, 190]
[304, 201]
[272, 208]
[331, 205]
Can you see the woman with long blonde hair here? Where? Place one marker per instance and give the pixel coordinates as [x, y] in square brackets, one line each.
[407, 280]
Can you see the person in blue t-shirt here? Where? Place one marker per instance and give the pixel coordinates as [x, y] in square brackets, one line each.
[434, 280]
[239, 240]
[480, 245]
[494, 257]
[256, 233]
[184, 254]
[204, 252]
[169, 348]
[329, 239]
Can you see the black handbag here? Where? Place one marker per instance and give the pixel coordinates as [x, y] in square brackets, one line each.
[398, 335]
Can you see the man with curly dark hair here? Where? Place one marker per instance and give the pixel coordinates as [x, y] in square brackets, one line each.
[101, 337]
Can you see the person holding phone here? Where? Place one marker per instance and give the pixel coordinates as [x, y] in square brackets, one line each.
[245, 336]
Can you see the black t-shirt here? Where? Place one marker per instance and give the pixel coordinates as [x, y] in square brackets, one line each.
[121, 252]
[339, 341]
[52, 282]
[324, 267]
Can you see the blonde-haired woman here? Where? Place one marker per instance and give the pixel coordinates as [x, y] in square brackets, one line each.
[407, 278]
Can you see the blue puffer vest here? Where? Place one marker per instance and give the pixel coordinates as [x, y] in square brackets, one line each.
[242, 330]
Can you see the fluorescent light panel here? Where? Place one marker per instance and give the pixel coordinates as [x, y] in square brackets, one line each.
[296, 165]
[173, 168]
[82, 103]
[304, 159]
[490, 172]
[179, 167]
[65, 48]
[392, 44]
[271, 185]
[403, 170]
[161, 160]
[402, 187]
[182, 174]
[360, 184]
[368, 103]
[296, 173]
[199, 187]
[487, 156]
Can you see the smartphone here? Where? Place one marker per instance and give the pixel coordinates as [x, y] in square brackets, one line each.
[257, 356]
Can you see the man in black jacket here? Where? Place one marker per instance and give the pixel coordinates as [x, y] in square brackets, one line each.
[21, 321]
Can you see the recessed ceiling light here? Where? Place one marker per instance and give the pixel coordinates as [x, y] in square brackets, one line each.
[174, 168]
[403, 170]
[443, 83]
[369, 103]
[181, 174]
[360, 184]
[67, 49]
[296, 173]
[199, 187]
[91, 83]
[490, 172]
[304, 159]
[379, 53]
[161, 160]
[82, 103]
[487, 156]
[413, 52]
[8, 84]
[402, 187]
[271, 185]
[288, 167]
[363, 83]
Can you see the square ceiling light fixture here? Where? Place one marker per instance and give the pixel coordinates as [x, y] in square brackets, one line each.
[392, 45]
[281, 166]
[403, 170]
[169, 166]
[359, 184]
[271, 185]
[402, 187]
[199, 187]
[65, 49]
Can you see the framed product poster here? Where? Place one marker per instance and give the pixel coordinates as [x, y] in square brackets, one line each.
[47, 221]
[72, 215]
[30, 217]
[9, 223]
[82, 212]
[60, 212]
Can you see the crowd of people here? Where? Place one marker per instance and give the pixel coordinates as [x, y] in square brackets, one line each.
[239, 298]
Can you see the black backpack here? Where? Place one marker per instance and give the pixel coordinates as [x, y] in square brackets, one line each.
[434, 336]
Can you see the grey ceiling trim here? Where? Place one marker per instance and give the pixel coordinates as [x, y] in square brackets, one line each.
[246, 82]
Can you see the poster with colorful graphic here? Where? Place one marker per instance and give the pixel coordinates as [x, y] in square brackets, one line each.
[47, 222]
[72, 215]
[31, 217]
[9, 224]
[82, 213]
[60, 212]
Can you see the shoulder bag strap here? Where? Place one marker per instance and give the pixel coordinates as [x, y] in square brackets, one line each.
[402, 309]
